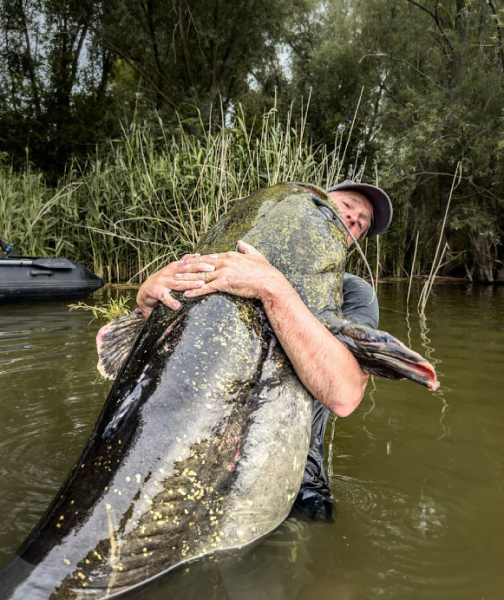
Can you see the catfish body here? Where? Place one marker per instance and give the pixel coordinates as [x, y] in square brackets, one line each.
[201, 444]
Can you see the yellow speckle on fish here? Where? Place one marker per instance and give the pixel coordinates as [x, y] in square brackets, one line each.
[144, 549]
[108, 506]
[66, 561]
[58, 525]
[83, 465]
[88, 562]
[182, 492]
[208, 405]
[128, 478]
[161, 470]
[138, 478]
[81, 575]
[98, 556]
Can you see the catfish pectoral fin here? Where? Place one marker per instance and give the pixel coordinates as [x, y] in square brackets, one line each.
[114, 342]
[380, 353]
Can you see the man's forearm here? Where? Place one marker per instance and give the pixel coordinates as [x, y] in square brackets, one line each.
[326, 368]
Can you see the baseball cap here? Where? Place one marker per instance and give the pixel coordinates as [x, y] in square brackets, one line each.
[382, 206]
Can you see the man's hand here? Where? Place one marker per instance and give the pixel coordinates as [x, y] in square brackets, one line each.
[245, 273]
[158, 286]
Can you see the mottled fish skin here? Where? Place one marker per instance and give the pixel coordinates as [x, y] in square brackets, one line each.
[211, 451]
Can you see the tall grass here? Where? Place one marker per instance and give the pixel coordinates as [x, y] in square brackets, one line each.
[154, 193]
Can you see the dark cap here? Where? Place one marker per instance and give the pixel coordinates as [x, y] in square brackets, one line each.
[382, 206]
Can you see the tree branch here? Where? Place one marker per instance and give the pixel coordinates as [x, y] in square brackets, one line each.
[435, 17]
[404, 62]
[129, 60]
[31, 65]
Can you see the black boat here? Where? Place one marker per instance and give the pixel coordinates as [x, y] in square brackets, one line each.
[27, 278]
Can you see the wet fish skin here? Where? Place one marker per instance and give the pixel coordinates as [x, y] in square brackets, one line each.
[212, 453]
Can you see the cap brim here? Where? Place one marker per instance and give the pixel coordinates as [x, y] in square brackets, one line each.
[382, 206]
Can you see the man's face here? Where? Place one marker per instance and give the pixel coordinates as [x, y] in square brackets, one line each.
[356, 211]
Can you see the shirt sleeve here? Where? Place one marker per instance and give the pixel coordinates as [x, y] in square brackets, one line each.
[359, 301]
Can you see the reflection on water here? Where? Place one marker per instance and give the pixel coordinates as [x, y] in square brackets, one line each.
[418, 476]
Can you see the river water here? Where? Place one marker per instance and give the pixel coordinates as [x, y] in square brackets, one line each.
[418, 477]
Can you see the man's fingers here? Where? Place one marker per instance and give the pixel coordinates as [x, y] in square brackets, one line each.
[208, 259]
[194, 267]
[202, 291]
[189, 256]
[245, 248]
[162, 294]
[200, 276]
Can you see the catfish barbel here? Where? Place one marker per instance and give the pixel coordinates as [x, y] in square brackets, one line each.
[202, 442]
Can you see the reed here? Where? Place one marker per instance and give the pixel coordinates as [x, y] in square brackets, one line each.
[439, 254]
[154, 193]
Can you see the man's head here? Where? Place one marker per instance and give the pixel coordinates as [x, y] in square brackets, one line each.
[366, 209]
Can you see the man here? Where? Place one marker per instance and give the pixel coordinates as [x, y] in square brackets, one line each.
[325, 367]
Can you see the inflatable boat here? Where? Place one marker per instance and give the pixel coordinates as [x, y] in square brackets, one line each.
[24, 279]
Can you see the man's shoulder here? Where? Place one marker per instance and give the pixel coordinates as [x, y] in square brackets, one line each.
[359, 301]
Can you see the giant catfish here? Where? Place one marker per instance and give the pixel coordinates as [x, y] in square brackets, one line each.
[202, 442]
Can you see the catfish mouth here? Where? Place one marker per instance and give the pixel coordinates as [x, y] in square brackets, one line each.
[404, 367]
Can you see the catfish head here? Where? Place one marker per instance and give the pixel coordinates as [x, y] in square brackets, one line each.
[380, 353]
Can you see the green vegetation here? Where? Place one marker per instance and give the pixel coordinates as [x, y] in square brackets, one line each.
[111, 310]
[154, 194]
[427, 78]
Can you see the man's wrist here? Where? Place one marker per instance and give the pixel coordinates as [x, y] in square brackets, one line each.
[276, 293]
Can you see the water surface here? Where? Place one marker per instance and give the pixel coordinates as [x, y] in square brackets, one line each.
[418, 476]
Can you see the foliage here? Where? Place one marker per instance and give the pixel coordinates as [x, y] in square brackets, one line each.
[113, 309]
[432, 79]
[427, 77]
[154, 194]
[70, 69]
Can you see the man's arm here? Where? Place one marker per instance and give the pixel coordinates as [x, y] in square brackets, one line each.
[326, 368]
